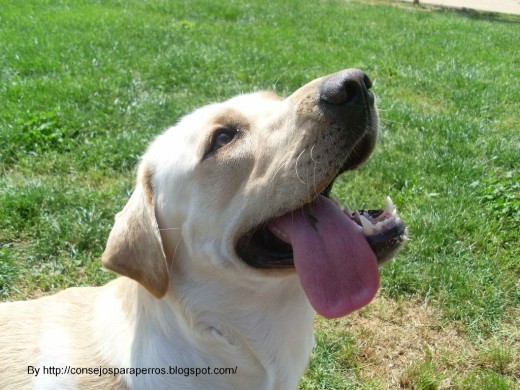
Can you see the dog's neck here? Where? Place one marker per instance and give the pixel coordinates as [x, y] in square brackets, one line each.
[268, 326]
[270, 321]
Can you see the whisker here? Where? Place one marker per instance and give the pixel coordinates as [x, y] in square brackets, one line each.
[314, 169]
[386, 120]
[312, 158]
[173, 256]
[271, 181]
[314, 178]
[297, 167]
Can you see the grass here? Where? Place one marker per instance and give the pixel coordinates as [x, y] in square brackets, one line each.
[87, 84]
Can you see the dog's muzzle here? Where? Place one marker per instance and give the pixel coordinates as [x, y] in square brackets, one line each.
[344, 102]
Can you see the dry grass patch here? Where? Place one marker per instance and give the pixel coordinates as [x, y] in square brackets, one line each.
[408, 345]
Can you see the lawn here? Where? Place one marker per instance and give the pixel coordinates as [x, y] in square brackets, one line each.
[85, 85]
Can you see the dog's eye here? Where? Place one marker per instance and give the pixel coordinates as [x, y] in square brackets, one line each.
[222, 138]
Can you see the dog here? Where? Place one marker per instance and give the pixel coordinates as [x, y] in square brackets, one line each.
[228, 246]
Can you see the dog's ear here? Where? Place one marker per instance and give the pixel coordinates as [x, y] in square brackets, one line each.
[134, 247]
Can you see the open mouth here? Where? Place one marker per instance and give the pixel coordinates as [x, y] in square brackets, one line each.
[265, 247]
[335, 252]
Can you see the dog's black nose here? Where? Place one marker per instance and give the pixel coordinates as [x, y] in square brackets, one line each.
[348, 87]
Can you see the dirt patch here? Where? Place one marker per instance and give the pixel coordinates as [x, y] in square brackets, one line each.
[402, 335]
[403, 343]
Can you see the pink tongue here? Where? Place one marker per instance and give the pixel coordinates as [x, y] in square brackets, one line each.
[337, 269]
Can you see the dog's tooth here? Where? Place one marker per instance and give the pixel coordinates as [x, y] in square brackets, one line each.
[347, 210]
[389, 208]
[368, 228]
[379, 227]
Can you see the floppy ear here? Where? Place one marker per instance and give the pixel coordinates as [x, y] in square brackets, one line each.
[134, 247]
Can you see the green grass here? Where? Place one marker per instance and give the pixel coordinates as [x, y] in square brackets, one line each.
[85, 85]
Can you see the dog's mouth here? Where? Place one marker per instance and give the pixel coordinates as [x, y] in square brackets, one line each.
[336, 252]
[268, 247]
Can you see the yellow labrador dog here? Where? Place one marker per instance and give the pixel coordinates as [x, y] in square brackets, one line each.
[228, 246]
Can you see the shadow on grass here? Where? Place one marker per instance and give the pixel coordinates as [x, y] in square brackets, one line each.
[464, 12]
[482, 15]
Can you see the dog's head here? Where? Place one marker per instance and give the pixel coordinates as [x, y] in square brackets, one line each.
[243, 186]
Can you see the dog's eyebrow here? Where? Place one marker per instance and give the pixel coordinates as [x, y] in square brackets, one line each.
[230, 118]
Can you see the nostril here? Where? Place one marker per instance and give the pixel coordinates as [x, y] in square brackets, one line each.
[369, 95]
[367, 81]
[351, 90]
